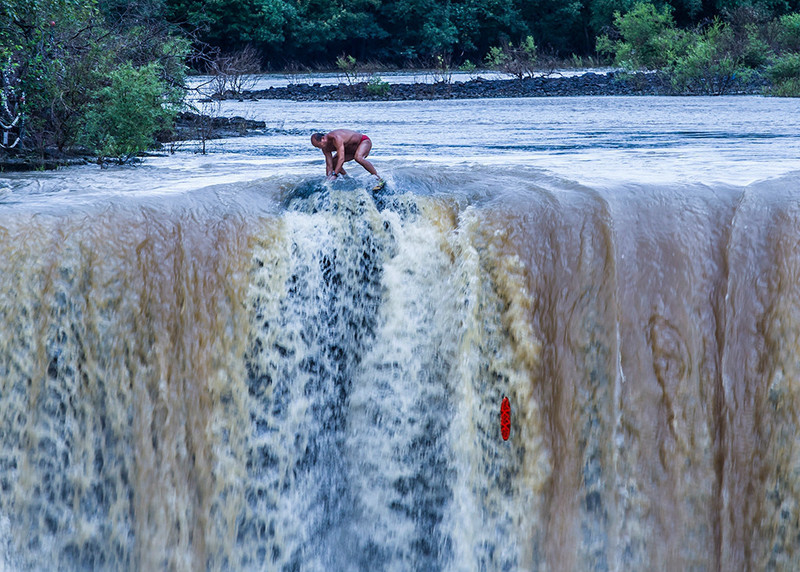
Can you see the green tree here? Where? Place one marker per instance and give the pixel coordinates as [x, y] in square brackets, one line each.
[603, 13]
[789, 32]
[316, 31]
[709, 64]
[560, 25]
[419, 27]
[123, 118]
[647, 38]
[482, 23]
[59, 53]
[784, 70]
[322, 29]
[232, 24]
[769, 7]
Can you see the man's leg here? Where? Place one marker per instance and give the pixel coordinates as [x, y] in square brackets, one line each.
[361, 156]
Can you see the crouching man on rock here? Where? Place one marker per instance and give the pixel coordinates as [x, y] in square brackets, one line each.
[343, 145]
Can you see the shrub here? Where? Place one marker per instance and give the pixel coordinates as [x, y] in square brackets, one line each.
[710, 60]
[376, 86]
[467, 66]
[234, 72]
[518, 61]
[756, 51]
[349, 67]
[789, 32]
[708, 65]
[495, 57]
[441, 68]
[647, 38]
[787, 88]
[124, 117]
[785, 75]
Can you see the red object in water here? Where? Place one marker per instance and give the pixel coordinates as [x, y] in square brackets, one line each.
[505, 418]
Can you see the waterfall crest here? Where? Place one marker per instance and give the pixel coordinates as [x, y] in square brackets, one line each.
[319, 387]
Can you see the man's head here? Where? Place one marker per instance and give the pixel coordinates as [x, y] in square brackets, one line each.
[316, 139]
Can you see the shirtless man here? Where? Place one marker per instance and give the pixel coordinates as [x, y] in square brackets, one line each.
[342, 145]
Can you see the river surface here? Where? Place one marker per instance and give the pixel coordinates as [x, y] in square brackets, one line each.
[219, 361]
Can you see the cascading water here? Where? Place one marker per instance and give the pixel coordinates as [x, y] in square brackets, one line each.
[193, 386]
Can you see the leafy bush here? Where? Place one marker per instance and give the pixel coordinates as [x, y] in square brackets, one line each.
[349, 67]
[785, 75]
[786, 88]
[467, 66]
[60, 54]
[755, 51]
[709, 60]
[646, 38]
[708, 66]
[784, 71]
[122, 121]
[376, 86]
[789, 32]
[518, 61]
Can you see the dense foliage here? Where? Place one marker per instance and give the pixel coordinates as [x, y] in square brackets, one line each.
[415, 31]
[63, 65]
[708, 58]
[123, 117]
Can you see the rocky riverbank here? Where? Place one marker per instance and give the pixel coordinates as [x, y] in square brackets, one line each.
[194, 126]
[549, 86]
[188, 126]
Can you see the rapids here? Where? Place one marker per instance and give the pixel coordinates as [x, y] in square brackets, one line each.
[236, 366]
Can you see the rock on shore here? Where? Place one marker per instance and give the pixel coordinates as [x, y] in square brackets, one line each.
[586, 84]
[194, 126]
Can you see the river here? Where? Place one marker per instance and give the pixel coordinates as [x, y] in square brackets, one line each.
[222, 362]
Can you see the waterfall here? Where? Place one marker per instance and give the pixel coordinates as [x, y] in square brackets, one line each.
[317, 386]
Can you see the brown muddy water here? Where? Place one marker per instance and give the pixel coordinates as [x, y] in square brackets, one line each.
[221, 362]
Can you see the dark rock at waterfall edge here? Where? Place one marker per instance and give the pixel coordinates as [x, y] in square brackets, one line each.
[52, 160]
[194, 126]
[188, 126]
[586, 84]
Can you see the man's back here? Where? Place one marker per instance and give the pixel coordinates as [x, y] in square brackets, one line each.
[349, 138]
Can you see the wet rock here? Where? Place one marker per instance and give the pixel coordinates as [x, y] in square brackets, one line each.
[188, 124]
[588, 84]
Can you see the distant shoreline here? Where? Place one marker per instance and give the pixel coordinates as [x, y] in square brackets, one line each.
[588, 84]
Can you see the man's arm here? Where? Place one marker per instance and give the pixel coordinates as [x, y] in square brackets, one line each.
[328, 163]
[339, 156]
